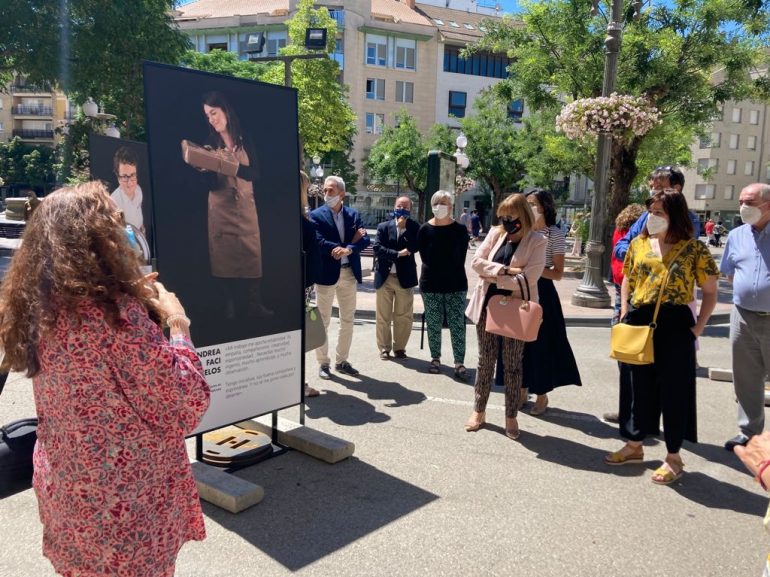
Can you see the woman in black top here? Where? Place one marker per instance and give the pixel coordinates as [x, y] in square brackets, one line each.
[443, 245]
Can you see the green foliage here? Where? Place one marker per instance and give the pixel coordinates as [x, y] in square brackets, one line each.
[22, 163]
[91, 48]
[326, 120]
[223, 62]
[401, 154]
[343, 166]
[494, 145]
[667, 55]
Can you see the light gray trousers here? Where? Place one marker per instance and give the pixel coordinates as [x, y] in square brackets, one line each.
[750, 340]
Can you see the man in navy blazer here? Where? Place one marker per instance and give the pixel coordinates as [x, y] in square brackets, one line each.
[395, 275]
[341, 236]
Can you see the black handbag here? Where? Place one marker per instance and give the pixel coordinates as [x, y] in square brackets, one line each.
[17, 442]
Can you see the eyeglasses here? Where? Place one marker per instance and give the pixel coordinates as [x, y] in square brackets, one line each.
[665, 167]
[126, 177]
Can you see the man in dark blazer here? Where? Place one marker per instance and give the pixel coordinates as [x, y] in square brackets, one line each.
[341, 236]
[395, 275]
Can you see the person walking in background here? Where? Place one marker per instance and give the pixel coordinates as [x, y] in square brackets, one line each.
[465, 220]
[719, 231]
[475, 227]
[395, 276]
[312, 253]
[709, 226]
[512, 252]
[664, 251]
[341, 236]
[585, 229]
[745, 264]
[574, 232]
[443, 245]
[114, 397]
[548, 362]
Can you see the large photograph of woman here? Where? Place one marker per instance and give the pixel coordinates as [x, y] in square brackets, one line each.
[225, 165]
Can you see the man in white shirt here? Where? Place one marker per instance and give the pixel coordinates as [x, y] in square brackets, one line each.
[128, 195]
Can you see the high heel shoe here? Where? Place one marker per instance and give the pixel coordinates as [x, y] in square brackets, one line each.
[512, 428]
[539, 408]
[475, 422]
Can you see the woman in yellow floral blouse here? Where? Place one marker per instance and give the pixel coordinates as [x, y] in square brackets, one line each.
[668, 385]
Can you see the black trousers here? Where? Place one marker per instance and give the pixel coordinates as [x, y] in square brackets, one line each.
[665, 387]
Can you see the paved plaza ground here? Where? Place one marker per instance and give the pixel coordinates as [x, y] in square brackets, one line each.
[423, 497]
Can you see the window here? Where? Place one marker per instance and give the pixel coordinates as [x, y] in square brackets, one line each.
[2, 126]
[753, 116]
[736, 114]
[734, 141]
[457, 102]
[731, 167]
[376, 50]
[751, 142]
[217, 46]
[375, 89]
[516, 110]
[374, 123]
[438, 21]
[454, 24]
[275, 41]
[1, 103]
[478, 64]
[406, 51]
[729, 191]
[716, 139]
[748, 168]
[404, 91]
[705, 191]
[468, 26]
[707, 164]
[339, 53]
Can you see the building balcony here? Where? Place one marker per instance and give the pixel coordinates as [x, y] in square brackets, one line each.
[32, 134]
[24, 110]
[30, 89]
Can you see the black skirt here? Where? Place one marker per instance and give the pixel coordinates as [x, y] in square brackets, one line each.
[549, 361]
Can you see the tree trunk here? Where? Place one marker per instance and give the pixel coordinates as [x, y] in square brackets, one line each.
[497, 198]
[623, 171]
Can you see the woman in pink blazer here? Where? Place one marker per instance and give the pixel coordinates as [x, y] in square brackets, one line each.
[511, 249]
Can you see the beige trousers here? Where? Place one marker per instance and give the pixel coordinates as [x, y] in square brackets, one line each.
[345, 289]
[395, 306]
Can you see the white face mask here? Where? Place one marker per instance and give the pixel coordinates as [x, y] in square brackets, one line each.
[656, 224]
[750, 214]
[332, 201]
[440, 210]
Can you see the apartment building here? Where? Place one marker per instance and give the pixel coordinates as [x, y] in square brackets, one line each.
[732, 156]
[31, 113]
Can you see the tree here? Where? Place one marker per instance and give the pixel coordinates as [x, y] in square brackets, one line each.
[669, 55]
[494, 146]
[27, 164]
[90, 48]
[401, 154]
[223, 62]
[326, 120]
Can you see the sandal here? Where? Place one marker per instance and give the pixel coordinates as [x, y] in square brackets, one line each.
[623, 457]
[435, 367]
[665, 474]
[512, 428]
[476, 421]
[461, 373]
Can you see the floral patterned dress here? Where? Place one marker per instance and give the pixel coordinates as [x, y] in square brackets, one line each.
[115, 490]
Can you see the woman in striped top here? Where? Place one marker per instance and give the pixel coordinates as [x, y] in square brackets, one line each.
[549, 361]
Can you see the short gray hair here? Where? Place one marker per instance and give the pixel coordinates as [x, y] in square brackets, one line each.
[338, 182]
[764, 190]
[440, 195]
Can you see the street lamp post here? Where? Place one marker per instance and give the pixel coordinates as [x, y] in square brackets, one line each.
[316, 173]
[592, 293]
[462, 160]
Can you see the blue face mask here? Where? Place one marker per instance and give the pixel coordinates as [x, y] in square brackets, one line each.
[399, 212]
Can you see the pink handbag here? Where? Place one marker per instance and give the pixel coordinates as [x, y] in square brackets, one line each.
[513, 317]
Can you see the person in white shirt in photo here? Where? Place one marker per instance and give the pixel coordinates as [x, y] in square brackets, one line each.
[128, 195]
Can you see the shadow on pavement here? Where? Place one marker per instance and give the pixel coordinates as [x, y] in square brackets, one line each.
[574, 455]
[344, 410]
[716, 454]
[378, 390]
[590, 425]
[305, 517]
[715, 494]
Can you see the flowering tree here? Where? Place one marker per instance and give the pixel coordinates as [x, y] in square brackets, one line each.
[626, 117]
